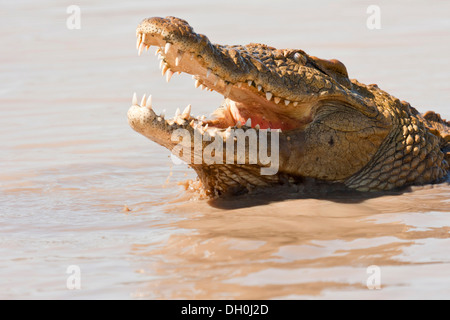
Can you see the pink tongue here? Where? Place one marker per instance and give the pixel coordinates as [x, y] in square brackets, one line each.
[256, 119]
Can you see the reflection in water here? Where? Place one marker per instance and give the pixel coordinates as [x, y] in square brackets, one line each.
[298, 248]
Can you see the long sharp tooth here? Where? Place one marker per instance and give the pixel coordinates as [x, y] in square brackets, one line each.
[167, 47]
[149, 102]
[249, 122]
[178, 58]
[169, 75]
[277, 100]
[161, 64]
[187, 112]
[177, 113]
[164, 69]
[208, 73]
[141, 48]
[206, 127]
[138, 41]
[268, 95]
[197, 83]
[134, 100]
[143, 101]
[157, 51]
[286, 102]
[249, 82]
[295, 103]
[239, 124]
[259, 87]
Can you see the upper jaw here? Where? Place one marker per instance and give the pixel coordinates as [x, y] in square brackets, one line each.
[228, 71]
[284, 81]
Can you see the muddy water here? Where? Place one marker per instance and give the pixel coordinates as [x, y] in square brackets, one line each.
[70, 165]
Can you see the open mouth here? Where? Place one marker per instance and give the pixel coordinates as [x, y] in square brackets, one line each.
[248, 100]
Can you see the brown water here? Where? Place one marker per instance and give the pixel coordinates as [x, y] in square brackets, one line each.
[70, 164]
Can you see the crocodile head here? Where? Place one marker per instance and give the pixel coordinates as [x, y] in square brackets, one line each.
[319, 125]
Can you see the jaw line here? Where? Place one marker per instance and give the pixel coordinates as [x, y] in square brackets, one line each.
[244, 100]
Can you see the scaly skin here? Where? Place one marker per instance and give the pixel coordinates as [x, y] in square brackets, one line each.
[334, 130]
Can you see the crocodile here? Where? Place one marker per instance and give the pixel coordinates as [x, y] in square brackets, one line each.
[329, 129]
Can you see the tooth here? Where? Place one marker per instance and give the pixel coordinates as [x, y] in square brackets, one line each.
[239, 84]
[134, 100]
[149, 102]
[163, 113]
[187, 112]
[141, 48]
[147, 47]
[203, 117]
[208, 73]
[192, 123]
[177, 113]
[157, 51]
[169, 75]
[202, 86]
[239, 124]
[143, 101]
[206, 127]
[178, 58]
[268, 95]
[249, 122]
[277, 100]
[228, 90]
[259, 88]
[167, 47]
[138, 41]
[295, 103]
[249, 83]
[161, 64]
[197, 83]
[160, 57]
[286, 102]
[216, 81]
[257, 127]
[180, 121]
[212, 132]
[164, 69]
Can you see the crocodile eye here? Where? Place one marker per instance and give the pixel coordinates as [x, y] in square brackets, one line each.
[297, 57]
